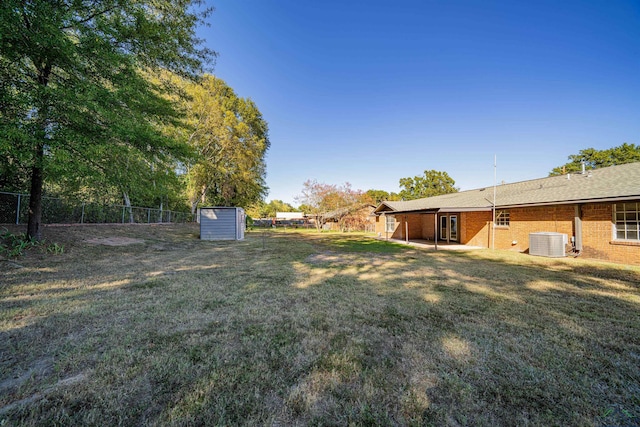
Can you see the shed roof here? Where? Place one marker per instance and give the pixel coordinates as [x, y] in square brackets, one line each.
[620, 182]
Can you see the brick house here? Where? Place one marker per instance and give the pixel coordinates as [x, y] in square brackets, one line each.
[598, 210]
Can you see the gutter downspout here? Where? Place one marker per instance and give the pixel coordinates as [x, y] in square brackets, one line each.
[577, 223]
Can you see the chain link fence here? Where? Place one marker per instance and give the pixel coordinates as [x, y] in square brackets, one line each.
[14, 209]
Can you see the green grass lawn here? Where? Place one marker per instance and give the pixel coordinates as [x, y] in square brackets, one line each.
[288, 328]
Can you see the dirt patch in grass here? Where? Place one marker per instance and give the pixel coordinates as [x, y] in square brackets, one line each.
[39, 368]
[114, 241]
[311, 329]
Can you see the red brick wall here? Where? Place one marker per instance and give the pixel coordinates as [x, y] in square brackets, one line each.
[475, 228]
[420, 226]
[399, 232]
[381, 227]
[558, 219]
[597, 236]
[597, 230]
[415, 226]
[428, 226]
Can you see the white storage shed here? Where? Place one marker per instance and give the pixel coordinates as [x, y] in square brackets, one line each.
[222, 223]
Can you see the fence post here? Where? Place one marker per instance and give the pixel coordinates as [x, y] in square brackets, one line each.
[82, 216]
[123, 214]
[148, 215]
[18, 211]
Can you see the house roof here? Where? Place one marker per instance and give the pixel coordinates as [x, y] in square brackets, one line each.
[613, 183]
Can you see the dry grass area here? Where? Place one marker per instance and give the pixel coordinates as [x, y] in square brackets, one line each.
[311, 329]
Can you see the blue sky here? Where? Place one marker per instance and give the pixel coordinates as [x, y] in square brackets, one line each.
[368, 92]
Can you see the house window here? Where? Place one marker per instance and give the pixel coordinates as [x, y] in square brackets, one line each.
[502, 218]
[390, 224]
[627, 221]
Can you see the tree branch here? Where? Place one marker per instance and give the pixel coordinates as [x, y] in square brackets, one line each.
[89, 18]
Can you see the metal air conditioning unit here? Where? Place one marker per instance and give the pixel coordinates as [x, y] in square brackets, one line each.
[547, 244]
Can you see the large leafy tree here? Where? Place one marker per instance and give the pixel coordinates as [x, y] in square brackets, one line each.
[139, 166]
[74, 88]
[230, 137]
[378, 196]
[432, 183]
[593, 159]
[322, 201]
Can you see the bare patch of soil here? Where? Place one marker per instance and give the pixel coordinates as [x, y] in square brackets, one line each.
[41, 368]
[114, 241]
[38, 396]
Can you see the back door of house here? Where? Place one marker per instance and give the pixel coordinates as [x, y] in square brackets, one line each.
[449, 228]
[453, 228]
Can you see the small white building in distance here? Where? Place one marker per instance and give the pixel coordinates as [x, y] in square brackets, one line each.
[289, 215]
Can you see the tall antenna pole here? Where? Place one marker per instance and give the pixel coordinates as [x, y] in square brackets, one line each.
[493, 223]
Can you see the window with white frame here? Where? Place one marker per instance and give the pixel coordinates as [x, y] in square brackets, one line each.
[390, 224]
[502, 218]
[627, 221]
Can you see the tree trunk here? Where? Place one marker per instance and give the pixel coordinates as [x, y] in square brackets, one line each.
[127, 203]
[203, 194]
[200, 199]
[34, 231]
